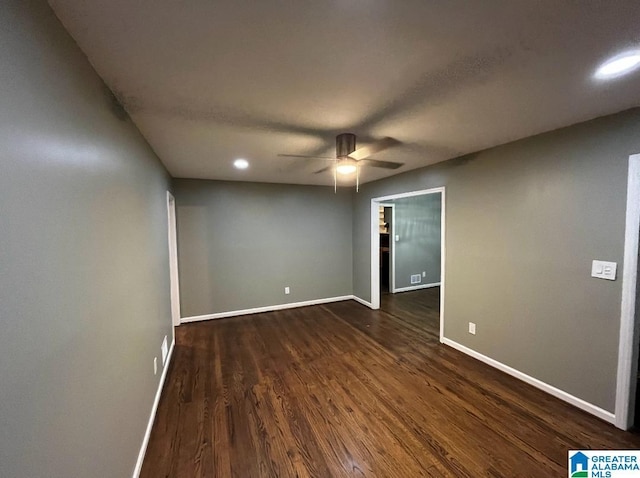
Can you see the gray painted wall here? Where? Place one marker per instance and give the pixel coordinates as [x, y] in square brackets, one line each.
[241, 244]
[523, 223]
[84, 287]
[418, 250]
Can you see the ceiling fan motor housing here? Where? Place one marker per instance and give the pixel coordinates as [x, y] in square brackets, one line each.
[345, 144]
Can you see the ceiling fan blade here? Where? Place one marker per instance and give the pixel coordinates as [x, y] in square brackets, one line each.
[305, 157]
[366, 151]
[376, 163]
[323, 170]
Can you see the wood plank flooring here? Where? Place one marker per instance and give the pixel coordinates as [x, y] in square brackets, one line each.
[339, 390]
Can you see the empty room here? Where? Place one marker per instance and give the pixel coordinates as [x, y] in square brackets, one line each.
[319, 239]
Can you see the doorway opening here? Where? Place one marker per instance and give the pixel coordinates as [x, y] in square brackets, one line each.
[628, 348]
[410, 242]
[173, 260]
[387, 263]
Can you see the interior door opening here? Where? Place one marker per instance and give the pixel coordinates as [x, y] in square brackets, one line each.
[173, 260]
[392, 272]
[387, 273]
[628, 347]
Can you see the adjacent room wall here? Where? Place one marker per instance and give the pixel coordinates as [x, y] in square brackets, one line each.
[84, 282]
[418, 250]
[241, 244]
[523, 223]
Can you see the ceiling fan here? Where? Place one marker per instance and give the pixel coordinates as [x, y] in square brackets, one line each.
[348, 159]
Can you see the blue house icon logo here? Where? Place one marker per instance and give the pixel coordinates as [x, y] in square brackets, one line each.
[579, 465]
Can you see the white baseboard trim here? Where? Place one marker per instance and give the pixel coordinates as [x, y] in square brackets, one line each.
[269, 308]
[416, 287]
[152, 417]
[362, 301]
[545, 387]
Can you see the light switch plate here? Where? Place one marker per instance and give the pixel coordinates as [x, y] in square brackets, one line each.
[604, 270]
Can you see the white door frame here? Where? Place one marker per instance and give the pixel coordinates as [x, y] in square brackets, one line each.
[173, 260]
[375, 246]
[392, 247]
[628, 342]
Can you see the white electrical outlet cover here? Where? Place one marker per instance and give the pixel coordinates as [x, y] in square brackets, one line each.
[472, 328]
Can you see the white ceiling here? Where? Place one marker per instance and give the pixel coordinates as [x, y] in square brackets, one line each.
[210, 81]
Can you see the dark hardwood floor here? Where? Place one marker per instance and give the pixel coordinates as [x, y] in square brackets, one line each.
[340, 390]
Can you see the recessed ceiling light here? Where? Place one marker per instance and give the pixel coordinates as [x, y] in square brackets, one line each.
[619, 65]
[241, 164]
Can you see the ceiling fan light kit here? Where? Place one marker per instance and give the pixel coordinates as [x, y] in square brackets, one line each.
[345, 166]
[345, 145]
[349, 160]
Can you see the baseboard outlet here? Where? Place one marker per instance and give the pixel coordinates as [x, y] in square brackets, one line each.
[269, 308]
[545, 387]
[416, 287]
[152, 417]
